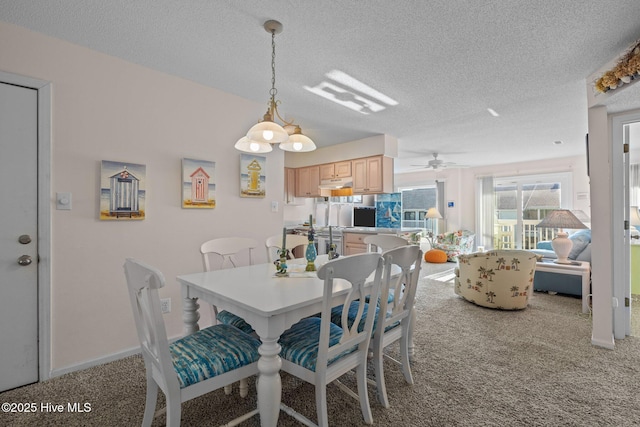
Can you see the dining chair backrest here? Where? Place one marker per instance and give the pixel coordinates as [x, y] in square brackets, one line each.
[274, 244]
[143, 282]
[398, 290]
[226, 252]
[396, 311]
[384, 242]
[357, 270]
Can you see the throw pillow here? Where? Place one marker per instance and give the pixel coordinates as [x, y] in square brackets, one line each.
[580, 242]
[435, 256]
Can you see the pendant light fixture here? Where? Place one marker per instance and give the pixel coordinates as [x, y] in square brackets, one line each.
[267, 132]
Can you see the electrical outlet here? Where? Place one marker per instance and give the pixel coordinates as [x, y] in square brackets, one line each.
[165, 305]
[274, 206]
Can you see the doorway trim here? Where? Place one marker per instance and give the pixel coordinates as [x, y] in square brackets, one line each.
[621, 266]
[44, 215]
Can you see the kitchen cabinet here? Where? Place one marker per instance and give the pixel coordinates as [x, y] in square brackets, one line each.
[289, 186]
[373, 175]
[308, 181]
[335, 170]
[354, 243]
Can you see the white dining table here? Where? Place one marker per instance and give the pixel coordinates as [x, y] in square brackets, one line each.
[268, 303]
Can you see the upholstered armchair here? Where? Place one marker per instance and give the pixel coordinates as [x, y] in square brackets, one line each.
[455, 243]
[497, 279]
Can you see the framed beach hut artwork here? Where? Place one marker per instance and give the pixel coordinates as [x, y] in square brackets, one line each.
[252, 175]
[122, 191]
[198, 184]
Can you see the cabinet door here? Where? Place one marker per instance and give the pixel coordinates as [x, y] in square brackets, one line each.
[289, 185]
[359, 175]
[314, 181]
[302, 182]
[308, 181]
[327, 171]
[374, 174]
[342, 169]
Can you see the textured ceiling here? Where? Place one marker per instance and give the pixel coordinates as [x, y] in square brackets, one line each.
[444, 61]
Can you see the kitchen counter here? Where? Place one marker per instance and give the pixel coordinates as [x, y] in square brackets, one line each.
[380, 230]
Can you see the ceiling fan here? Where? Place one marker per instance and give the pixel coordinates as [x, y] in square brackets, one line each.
[436, 163]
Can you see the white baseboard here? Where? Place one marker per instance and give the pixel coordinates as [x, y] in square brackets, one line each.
[94, 362]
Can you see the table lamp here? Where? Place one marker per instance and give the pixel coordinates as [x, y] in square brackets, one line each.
[432, 214]
[561, 219]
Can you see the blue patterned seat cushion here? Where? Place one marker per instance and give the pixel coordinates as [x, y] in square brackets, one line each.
[211, 352]
[228, 318]
[336, 313]
[300, 342]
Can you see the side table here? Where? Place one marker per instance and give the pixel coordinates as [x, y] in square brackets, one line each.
[576, 268]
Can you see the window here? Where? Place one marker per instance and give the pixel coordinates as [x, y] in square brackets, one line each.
[520, 203]
[415, 203]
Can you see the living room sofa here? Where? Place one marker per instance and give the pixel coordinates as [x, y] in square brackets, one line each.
[562, 283]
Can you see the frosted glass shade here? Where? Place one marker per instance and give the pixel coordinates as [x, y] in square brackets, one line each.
[269, 132]
[254, 147]
[298, 143]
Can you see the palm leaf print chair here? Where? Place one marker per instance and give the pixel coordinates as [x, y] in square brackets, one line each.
[500, 279]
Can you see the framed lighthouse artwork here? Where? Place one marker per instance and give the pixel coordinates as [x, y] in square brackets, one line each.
[252, 176]
[198, 184]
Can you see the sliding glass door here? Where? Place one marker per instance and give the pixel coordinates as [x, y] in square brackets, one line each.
[521, 202]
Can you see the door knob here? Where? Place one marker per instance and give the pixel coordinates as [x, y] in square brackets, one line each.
[24, 260]
[25, 239]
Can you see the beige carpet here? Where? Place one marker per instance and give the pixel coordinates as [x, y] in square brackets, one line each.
[474, 367]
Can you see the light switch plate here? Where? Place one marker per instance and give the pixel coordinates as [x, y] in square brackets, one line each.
[63, 201]
[274, 206]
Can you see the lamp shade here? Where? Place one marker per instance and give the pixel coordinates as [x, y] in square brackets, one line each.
[561, 218]
[634, 217]
[269, 132]
[298, 142]
[254, 147]
[433, 213]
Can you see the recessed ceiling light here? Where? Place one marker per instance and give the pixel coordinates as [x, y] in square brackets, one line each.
[492, 112]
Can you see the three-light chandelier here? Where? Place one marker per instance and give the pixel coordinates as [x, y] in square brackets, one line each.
[267, 132]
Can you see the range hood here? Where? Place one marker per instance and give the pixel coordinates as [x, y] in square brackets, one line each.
[335, 183]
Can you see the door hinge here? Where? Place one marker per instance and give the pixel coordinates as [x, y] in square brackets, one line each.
[626, 224]
[627, 303]
[625, 147]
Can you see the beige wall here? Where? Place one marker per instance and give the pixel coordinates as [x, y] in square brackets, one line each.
[107, 109]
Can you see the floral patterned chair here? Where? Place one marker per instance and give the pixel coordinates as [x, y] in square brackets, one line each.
[455, 243]
[500, 279]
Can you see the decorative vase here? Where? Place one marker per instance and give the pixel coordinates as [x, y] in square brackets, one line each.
[311, 255]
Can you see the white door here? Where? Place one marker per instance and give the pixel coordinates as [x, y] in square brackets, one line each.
[18, 236]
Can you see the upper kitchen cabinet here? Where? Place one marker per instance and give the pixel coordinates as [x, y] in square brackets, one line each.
[372, 175]
[308, 181]
[290, 186]
[335, 170]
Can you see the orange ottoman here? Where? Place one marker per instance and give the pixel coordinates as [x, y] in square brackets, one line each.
[435, 256]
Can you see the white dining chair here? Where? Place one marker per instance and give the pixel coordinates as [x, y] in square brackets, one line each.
[191, 366]
[383, 242]
[318, 351]
[274, 244]
[229, 252]
[396, 313]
